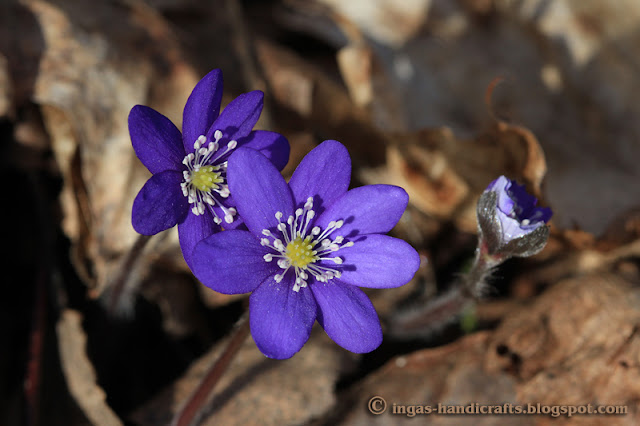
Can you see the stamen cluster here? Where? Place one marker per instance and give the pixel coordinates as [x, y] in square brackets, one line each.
[204, 177]
[302, 246]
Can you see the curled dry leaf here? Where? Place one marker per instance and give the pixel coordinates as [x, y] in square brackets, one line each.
[445, 175]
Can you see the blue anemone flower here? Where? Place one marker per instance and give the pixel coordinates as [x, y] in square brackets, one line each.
[189, 183]
[310, 244]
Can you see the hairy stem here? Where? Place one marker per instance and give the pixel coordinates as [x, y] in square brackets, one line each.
[427, 318]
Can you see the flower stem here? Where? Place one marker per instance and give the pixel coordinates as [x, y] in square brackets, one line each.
[195, 402]
[424, 319]
[474, 282]
[116, 288]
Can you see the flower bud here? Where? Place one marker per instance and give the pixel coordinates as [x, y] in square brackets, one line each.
[509, 223]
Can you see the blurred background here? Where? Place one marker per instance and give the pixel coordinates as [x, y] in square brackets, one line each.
[437, 96]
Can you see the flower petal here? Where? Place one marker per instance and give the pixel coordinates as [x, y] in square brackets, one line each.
[231, 262]
[348, 316]
[160, 204]
[378, 261]
[523, 200]
[155, 139]
[324, 174]
[258, 189]
[370, 209]
[237, 120]
[281, 319]
[193, 230]
[500, 186]
[272, 145]
[202, 108]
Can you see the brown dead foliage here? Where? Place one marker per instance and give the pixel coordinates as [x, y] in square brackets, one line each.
[403, 86]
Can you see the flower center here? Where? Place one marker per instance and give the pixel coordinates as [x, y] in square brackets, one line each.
[304, 248]
[205, 178]
[300, 252]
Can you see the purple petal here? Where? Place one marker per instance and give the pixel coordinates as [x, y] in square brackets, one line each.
[156, 140]
[202, 108]
[523, 200]
[542, 214]
[348, 316]
[193, 230]
[231, 262]
[258, 189]
[324, 174]
[272, 145]
[237, 120]
[281, 319]
[378, 261]
[500, 186]
[369, 209]
[160, 204]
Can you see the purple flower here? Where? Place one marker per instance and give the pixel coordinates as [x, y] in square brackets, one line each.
[189, 186]
[509, 222]
[309, 245]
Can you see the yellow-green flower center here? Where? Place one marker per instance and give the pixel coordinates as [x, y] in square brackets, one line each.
[300, 252]
[205, 176]
[304, 247]
[206, 179]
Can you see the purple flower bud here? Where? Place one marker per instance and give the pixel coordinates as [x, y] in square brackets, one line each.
[509, 223]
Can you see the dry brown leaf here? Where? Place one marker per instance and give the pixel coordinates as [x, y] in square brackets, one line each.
[576, 344]
[445, 175]
[78, 370]
[387, 21]
[90, 77]
[245, 395]
[5, 88]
